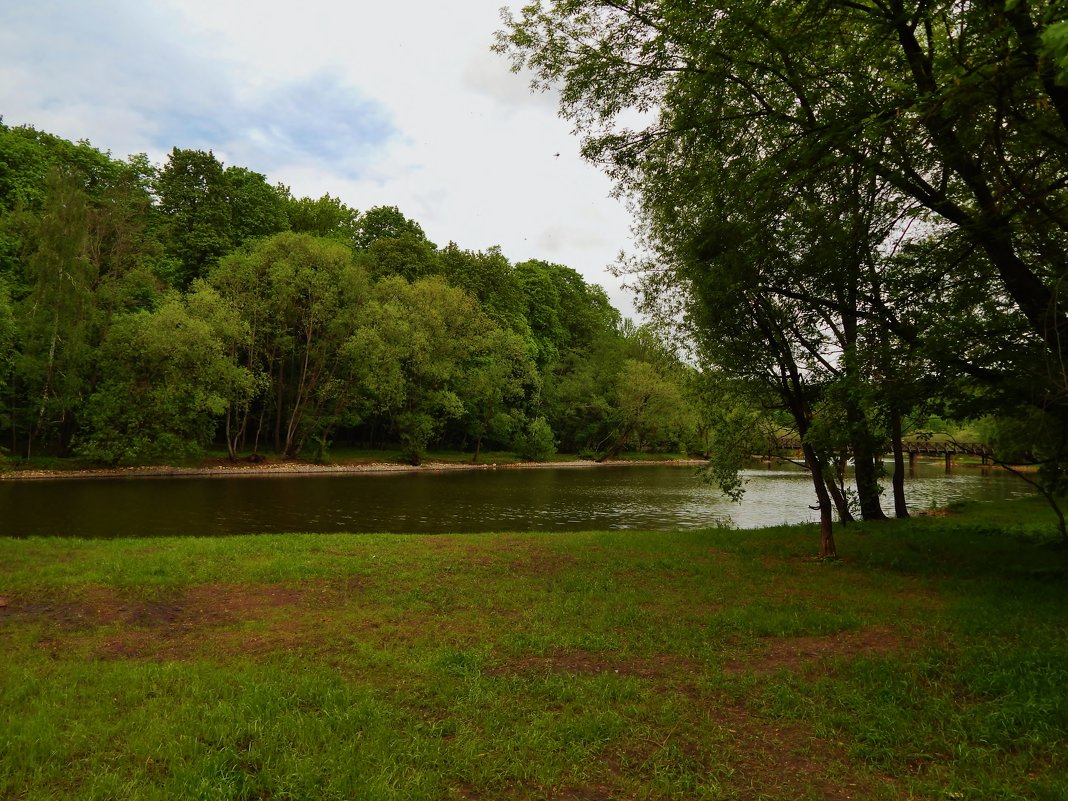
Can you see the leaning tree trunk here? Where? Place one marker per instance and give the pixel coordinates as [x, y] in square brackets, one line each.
[616, 447]
[823, 498]
[841, 503]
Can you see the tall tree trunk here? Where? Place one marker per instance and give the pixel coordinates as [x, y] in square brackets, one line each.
[823, 499]
[231, 450]
[14, 428]
[36, 428]
[305, 387]
[864, 472]
[278, 407]
[867, 478]
[67, 430]
[901, 509]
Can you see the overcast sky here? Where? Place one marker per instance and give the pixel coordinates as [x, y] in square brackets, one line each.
[376, 103]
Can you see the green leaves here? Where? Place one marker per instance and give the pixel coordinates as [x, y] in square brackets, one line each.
[870, 192]
[167, 380]
[430, 355]
[150, 311]
[300, 297]
[1055, 45]
[207, 210]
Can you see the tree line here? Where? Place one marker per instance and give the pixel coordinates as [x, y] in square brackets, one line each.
[153, 311]
[855, 210]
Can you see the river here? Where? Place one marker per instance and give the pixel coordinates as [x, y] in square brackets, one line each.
[653, 497]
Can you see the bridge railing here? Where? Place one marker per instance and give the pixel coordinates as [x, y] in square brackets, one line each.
[913, 448]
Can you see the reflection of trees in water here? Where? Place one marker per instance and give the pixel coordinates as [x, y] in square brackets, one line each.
[546, 499]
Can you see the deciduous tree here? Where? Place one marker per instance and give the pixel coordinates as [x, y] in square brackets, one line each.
[952, 108]
[301, 297]
[166, 381]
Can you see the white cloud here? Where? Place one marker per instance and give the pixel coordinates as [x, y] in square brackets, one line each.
[488, 74]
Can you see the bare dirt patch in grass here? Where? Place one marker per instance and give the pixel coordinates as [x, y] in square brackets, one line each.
[289, 630]
[587, 792]
[216, 620]
[541, 565]
[924, 597]
[798, 653]
[786, 760]
[522, 791]
[327, 618]
[514, 554]
[747, 755]
[199, 606]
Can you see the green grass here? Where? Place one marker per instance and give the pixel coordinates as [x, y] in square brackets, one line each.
[930, 662]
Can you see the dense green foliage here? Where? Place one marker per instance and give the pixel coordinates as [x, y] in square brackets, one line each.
[856, 208]
[930, 663]
[152, 311]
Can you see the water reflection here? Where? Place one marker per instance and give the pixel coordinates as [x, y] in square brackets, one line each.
[549, 499]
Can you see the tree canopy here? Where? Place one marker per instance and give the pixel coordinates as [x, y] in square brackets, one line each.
[149, 311]
[811, 176]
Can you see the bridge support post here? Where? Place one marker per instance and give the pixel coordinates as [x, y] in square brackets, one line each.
[949, 461]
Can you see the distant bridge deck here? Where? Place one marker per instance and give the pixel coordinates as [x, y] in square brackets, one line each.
[942, 448]
[917, 448]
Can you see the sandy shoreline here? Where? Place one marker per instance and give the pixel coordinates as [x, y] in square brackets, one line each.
[253, 470]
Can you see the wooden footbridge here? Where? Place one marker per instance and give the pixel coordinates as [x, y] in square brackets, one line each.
[917, 448]
[947, 449]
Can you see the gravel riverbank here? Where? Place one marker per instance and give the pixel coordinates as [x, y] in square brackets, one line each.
[252, 469]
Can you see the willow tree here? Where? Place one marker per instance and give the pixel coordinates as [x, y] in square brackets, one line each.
[952, 107]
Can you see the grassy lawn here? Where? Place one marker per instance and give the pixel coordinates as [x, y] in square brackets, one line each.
[931, 662]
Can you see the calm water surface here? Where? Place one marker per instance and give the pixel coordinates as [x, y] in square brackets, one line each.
[545, 499]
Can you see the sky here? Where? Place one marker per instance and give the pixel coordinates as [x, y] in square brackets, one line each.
[399, 104]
